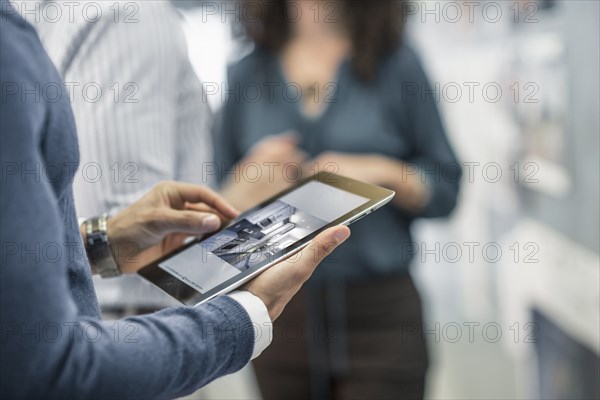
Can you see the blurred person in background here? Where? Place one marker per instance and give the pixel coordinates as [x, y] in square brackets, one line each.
[140, 109]
[356, 327]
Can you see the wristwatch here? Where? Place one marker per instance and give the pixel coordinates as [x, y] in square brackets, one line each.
[98, 249]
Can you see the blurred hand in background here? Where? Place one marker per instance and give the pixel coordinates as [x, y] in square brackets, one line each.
[271, 166]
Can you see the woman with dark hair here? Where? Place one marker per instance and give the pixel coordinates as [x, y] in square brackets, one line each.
[331, 85]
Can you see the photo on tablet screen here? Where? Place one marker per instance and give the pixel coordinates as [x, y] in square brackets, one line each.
[261, 234]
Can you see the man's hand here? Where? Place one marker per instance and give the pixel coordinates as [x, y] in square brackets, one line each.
[278, 284]
[162, 219]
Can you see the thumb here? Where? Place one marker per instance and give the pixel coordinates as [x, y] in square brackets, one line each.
[322, 246]
[189, 222]
[328, 240]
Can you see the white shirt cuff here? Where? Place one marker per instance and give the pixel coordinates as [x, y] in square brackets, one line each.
[259, 315]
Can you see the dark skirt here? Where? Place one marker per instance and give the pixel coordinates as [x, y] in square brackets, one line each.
[348, 341]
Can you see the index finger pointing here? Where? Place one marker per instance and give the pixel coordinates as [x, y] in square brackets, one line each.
[200, 194]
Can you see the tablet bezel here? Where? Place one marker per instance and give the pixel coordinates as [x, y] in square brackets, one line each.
[188, 295]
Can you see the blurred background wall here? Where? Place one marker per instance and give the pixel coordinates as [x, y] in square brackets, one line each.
[511, 281]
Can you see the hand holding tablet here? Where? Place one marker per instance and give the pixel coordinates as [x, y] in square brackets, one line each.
[266, 235]
[277, 285]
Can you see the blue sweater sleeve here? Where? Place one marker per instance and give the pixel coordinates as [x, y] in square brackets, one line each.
[48, 348]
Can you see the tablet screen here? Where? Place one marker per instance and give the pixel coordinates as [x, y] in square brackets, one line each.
[260, 234]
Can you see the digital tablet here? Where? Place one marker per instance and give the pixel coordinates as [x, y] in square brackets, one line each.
[263, 236]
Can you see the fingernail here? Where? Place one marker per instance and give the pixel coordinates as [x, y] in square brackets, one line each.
[341, 235]
[211, 222]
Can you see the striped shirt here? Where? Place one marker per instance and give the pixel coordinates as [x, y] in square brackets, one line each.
[140, 110]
